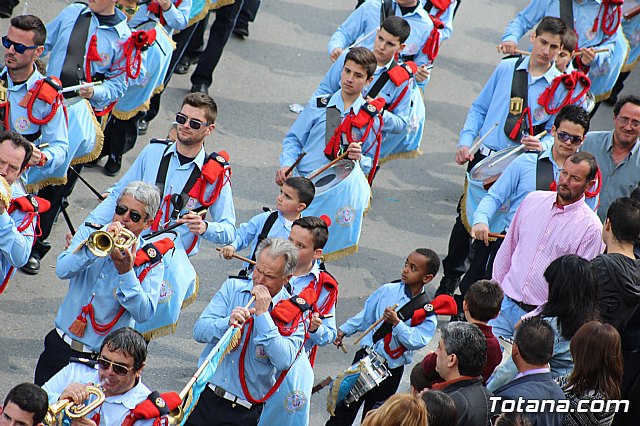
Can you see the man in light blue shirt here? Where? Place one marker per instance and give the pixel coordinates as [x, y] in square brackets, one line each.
[246, 377]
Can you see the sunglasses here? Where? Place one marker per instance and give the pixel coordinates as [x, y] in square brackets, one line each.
[18, 47]
[119, 369]
[193, 123]
[133, 215]
[127, 10]
[565, 137]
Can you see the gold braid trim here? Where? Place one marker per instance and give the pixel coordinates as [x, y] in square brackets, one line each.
[401, 155]
[189, 300]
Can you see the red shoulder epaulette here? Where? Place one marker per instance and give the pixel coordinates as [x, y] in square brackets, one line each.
[368, 112]
[402, 72]
[216, 170]
[288, 311]
[29, 204]
[153, 407]
[47, 90]
[152, 252]
[441, 305]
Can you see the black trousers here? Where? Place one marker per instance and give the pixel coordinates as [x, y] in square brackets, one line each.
[213, 409]
[219, 34]
[55, 357]
[120, 135]
[454, 264]
[630, 389]
[346, 415]
[248, 13]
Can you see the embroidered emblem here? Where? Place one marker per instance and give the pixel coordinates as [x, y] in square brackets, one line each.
[166, 292]
[151, 252]
[104, 59]
[160, 402]
[34, 202]
[591, 35]
[295, 401]
[371, 108]
[515, 106]
[428, 307]
[346, 215]
[22, 123]
[220, 159]
[191, 203]
[323, 101]
[261, 353]
[539, 113]
[300, 301]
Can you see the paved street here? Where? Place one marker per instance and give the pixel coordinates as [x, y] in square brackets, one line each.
[281, 63]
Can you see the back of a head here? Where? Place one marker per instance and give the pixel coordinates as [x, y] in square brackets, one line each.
[363, 57]
[303, 187]
[401, 409]
[484, 299]
[30, 398]
[397, 27]
[441, 408]
[513, 419]
[418, 379]
[575, 114]
[551, 25]
[570, 40]
[128, 341]
[624, 216]
[467, 342]
[534, 338]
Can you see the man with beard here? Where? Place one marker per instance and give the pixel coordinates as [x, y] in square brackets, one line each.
[546, 226]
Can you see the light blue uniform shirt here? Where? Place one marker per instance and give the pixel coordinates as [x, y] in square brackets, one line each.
[221, 230]
[446, 17]
[492, 105]
[584, 14]
[110, 41]
[54, 132]
[308, 134]
[15, 246]
[114, 409]
[394, 122]
[365, 20]
[268, 353]
[97, 277]
[412, 338]
[177, 17]
[247, 233]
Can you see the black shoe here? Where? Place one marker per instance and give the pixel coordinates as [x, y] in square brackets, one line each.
[113, 166]
[183, 66]
[143, 126]
[241, 32]
[447, 286]
[92, 164]
[32, 267]
[200, 88]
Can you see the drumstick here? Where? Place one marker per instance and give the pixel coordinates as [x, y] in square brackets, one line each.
[517, 51]
[574, 54]
[237, 256]
[80, 86]
[295, 164]
[476, 146]
[326, 166]
[494, 235]
[326, 316]
[42, 146]
[374, 325]
[517, 150]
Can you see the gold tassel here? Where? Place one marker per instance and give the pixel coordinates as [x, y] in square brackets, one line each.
[78, 327]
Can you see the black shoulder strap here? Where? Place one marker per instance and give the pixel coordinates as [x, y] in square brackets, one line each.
[74, 59]
[544, 174]
[333, 120]
[386, 10]
[380, 82]
[161, 179]
[519, 95]
[566, 12]
[264, 233]
[404, 313]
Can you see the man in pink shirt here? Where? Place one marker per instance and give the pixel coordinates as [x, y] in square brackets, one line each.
[546, 226]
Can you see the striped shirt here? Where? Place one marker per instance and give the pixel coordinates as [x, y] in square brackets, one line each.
[541, 232]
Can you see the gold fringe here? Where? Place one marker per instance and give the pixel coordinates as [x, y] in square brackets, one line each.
[97, 147]
[160, 332]
[332, 397]
[189, 300]
[199, 17]
[401, 155]
[221, 3]
[32, 188]
[336, 255]
[121, 115]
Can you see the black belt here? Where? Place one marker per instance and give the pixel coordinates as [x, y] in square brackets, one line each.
[524, 306]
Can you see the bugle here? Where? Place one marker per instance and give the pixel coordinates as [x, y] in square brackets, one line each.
[73, 410]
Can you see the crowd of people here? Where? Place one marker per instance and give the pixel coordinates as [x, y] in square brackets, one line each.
[542, 276]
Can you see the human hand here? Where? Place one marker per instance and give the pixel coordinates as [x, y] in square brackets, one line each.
[480, 231]
[463, 155]
[391, 316]
[36, 156]
[194, 222]
[165, 4]
[239, 315]
[227, 252]
[507, 47]
[316, 322]
[115, 228]
[263, 299]
[123, 260]
[77, 392]
[67, 239]
[281, 175]
[423, 73]
[355, 151]
[335, 54]
[86, 92]
[531, 143]
[339, 337]
[588, 55]
[83, 421]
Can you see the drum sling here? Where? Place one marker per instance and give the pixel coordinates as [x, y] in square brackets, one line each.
[544, 174]
[380, 82]
[404, 313]
[566, 12]
[333, 121]
[518, 118]
[161, 178]
[71, 73]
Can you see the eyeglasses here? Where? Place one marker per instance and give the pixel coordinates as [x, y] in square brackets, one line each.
[193, 123]
[119, 369]
[622, 120]
[565, 137]
[133, 215]
[127, 10]
[18, 47]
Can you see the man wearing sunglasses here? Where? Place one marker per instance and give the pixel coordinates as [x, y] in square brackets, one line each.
[105, 293]
[190, 180]
[40, 121]
[618, 153]
[118, 370]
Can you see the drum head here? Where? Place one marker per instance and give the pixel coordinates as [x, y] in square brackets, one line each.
[333, 176]
[493, 165]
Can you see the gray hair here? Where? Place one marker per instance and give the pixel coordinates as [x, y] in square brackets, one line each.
[467, 342]
[128, 341]
[144, 193]
[276, 247]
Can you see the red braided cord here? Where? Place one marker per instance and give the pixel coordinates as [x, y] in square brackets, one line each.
[54, 106]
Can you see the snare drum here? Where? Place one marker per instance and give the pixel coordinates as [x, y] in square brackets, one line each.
[343, 194]
[351, 385]
[179, 289]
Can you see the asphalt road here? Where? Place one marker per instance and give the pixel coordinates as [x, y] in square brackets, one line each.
[281, 63]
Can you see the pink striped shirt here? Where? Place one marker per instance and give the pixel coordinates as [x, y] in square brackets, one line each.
[542, 231]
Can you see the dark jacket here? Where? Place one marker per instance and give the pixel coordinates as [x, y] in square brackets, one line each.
[619, 294]
[535, 387]
[471, 399]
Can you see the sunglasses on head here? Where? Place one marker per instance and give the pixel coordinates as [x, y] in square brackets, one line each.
[119, 369]
[565, 137]
[193, 123]
[127, 10]
[133, 215]
[18, 47]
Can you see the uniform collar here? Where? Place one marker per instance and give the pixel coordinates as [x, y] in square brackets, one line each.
[132, 397]
[121, 27]
[35, 76]
[551, 73]
[336, 101]
[198, 161]
[609, 142]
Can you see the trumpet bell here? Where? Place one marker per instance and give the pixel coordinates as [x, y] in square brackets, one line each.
[54, 413]
[102, 243]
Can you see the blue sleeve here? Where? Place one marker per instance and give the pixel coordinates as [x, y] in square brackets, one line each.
[350, 30]
[447, 20]
[330, 83]
[479, 107]
[365, 317]
[297, 135]
[74, 260]
[111, 89]
[282, 351]
[396, 121]
[177, 17]
[525, 20]
[498, 194]
[247, 232]
[414, 338]
[53, 29]
[14, 245]
[56, 134]
[214, 320]
[222, 229]
[140, 299]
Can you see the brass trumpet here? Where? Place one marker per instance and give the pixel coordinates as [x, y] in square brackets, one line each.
[73, 411]
[102, 243]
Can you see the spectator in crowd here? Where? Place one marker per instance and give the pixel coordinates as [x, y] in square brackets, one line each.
[399, 410]
[441, 408]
